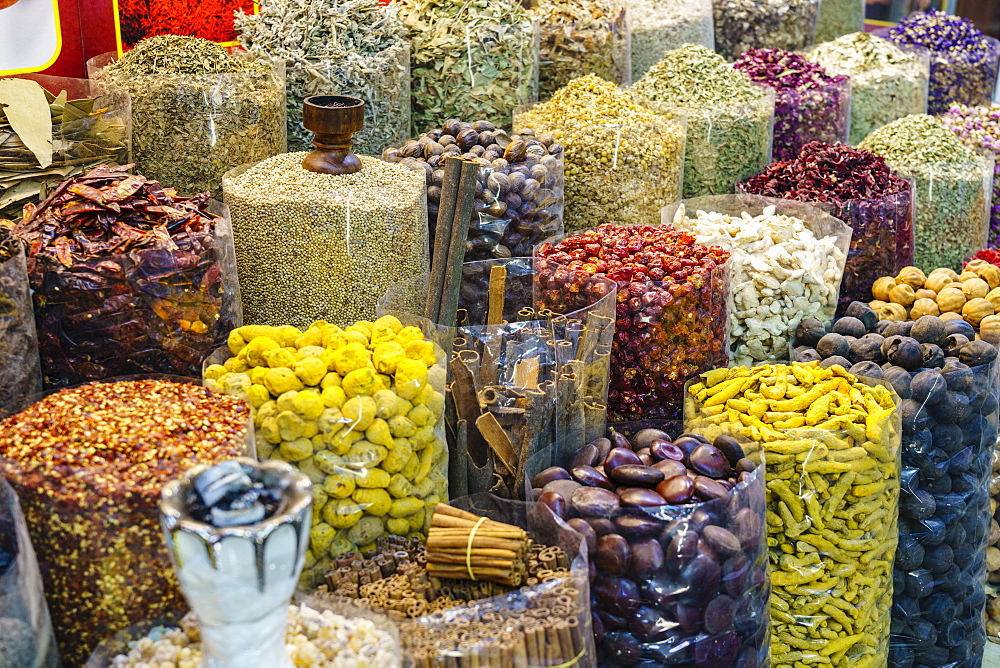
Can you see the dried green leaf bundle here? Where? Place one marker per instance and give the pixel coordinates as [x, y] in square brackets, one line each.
[581, 37]
[623, 162]
[475, 59]
[658, 26]
[81, 134]
[197, 110]
[337, 47]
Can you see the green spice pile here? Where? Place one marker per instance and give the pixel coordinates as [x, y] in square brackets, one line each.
[839, 17]
[623, 162]
[475, 59]
[315, 246]
[741, 25]
[337, 47]
[46, 138]
[658, 26]
[729, 119]
[887, 82]
[197, 110]
[581, 37]
[951, 189]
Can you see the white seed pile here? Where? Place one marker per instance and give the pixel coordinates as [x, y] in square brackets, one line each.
[315, 246]
[782, 273]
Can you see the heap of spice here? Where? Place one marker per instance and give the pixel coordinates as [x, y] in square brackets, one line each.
[519, 192]
[581, 37]
[659, 26]
[964, 61]
[313, 246]
[887, 82]
[839, 17]
[197, 110]
[127, 277]
[857, 187]
[951, 182]
[46, 138]
[88, 464]
[475, 59]
[337, 47]
[741, 25]
[20, 376]
[623, 162]
[672, 314]
[809, 105]
[729, 119]
[979, 128]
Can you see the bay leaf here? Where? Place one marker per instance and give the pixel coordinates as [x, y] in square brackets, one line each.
[27, 111]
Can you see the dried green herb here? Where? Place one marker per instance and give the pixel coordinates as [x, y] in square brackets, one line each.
[82, 134]
[951, 187]
[337, 47]
[659, 26]
[472, 59]
[729, 119]
[888, 81]
[741, 25]
[198, 110]
[839, 17]
[581, 37]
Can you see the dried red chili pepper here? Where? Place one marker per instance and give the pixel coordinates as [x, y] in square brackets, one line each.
[127, 277]
[988, 254]
[672, 316]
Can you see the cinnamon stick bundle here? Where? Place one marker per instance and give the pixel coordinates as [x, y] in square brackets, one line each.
[464, 546]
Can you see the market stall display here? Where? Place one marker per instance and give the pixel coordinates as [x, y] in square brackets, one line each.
[672, 318]
[623, 162]
[787, 264]
[675, 523]
[833, 482]
[947, 384]
[839, 17]
[197, 109]
[972, 295]
[993, 555]
[358, 410]
[519, 189]
[54, 128]
[127, 277]
[979, 128]
[659, 26]
[952, 185]
[338, 47]
[579, 38]
[964, 61]
[741, 25]
[809, 105]
[20, 373]
[729, 119]
[91, 510]
[476, 59]
[888, 80]
[858, 188]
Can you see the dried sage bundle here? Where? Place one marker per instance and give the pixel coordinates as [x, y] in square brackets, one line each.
[581, 37]
[337, 47]
[741, 25]
[475, 59]
[658, 26]
[197, 109]
[46, 138]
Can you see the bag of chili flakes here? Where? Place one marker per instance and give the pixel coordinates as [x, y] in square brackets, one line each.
[128, 277]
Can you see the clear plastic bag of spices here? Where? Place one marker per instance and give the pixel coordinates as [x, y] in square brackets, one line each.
[993, 554]
[741, 25]
[529, 364]
[20, 373]
[839, 17]
[818, 113]
[657, 26]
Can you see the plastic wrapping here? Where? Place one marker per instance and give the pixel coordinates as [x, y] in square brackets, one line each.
[190, 129]
[519, 193]
[992, 556]
[741, 25]
[26, 640]
[839, 17]
[93, 519]
[371, 440]
[813, 114]
[324, 247]
[120, 313]
[20, 374]
[830, 583]
[657, 26]
[881, 240]
[881, 91]
[538, 375]
[581, 37]
[620, 169]
[88, 129]
[979, 129]
[683, 597]
[778, 276]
